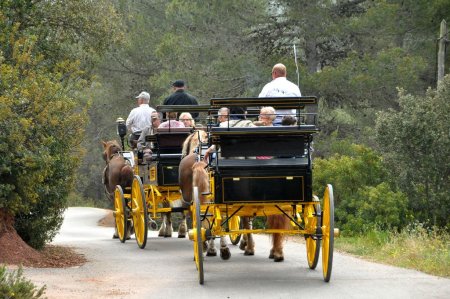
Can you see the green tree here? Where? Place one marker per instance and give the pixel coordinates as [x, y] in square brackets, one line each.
[416, 145]
[45, 51]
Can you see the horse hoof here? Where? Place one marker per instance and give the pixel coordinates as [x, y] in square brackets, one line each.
[278, 259]
[225, 253]
[249, 252]
[211, 253]
[167, 236]
[181, 236]
[242, 245]
[271, 255]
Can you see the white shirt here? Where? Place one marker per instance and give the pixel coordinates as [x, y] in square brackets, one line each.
[139, 118]
[280, 87]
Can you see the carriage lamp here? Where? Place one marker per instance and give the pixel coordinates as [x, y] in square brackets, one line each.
[121, 127]
[121, 130]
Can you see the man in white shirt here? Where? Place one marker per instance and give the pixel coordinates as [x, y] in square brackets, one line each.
[139, 118]
[280, 87]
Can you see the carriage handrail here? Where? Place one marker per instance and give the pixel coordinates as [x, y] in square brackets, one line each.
[183, 108]
[278, 130]
[277, 103]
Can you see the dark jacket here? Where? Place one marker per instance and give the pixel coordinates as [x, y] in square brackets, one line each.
[180, 97]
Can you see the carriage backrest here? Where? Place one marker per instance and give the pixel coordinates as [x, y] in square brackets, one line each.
[171, 138]
[284, 141]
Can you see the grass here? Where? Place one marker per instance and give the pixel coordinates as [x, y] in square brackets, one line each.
[425, 250]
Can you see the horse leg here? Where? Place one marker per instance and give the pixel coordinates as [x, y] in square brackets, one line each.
[249, 244]
[277, 222]
[182, 228]
[166, 225]
[225, 253]
[162, 229]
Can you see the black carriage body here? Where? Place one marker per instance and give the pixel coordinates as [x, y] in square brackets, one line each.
[167, 147]
[271, 180]
[274, 164]
[265, 164]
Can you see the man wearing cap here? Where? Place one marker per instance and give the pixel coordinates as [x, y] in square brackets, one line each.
[280, 87]
[180, 96]
[139, 118]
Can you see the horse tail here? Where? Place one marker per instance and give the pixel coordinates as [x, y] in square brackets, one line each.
[278, 221]
[200, 178]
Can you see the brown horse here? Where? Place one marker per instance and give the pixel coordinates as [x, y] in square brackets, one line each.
[118, 171]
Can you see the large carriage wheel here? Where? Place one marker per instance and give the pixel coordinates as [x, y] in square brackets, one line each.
[120, 213]
[311, 216]
[139, 212]
[198, 245]
[327, 232]
[235, 224]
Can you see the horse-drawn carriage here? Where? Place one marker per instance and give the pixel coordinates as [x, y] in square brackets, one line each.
[154, 191]
[263, 171]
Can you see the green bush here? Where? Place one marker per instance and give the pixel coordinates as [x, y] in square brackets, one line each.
[363, 200]
[14, 285]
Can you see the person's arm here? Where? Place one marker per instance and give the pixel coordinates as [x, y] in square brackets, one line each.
[208, 152]
[129, 121]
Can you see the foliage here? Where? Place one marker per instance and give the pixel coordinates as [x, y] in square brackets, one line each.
[416, 146]
[39, 143]
[43, 71]
[63, 30]
[362, 199]
[415, 247]
[14, 285]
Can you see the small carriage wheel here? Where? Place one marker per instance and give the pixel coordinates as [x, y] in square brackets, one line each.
[327, 232]
[311, 216]
[139, 212]
[235, 224]
[120, 213]
[198, 246]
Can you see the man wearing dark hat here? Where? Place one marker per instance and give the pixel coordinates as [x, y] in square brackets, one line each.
[180, 96]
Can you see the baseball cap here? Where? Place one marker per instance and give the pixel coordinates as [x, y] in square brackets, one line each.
[144, 95]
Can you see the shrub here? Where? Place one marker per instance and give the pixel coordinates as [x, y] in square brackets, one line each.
[14, 285]
[362, 198]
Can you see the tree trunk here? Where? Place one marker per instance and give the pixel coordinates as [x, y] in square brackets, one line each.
[6, 221]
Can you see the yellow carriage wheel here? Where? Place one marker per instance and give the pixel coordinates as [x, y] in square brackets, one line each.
[139, 212]
[327, 232]
[311, 216]
[235, 224]
[120, 213]
[198, 245]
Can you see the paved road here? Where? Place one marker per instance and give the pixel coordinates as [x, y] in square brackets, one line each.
[165, 269]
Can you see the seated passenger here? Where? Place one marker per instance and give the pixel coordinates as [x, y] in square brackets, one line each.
[144, 146]
[187, 120]
[172, 121]
[267, 116]
[288, 120]
[237, 119]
